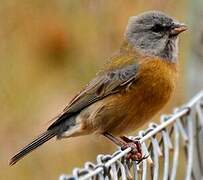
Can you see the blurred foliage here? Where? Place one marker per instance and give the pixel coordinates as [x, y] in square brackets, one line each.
[194, 66]
[48, 51]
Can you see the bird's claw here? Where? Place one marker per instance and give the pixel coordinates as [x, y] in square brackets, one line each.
[143, 158]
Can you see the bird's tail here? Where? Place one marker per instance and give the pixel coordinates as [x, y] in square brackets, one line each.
[41, 139]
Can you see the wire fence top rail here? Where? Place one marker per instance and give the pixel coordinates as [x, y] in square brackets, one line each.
[185, 122]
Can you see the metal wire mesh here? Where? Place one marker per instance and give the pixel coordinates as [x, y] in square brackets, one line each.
[174, 147]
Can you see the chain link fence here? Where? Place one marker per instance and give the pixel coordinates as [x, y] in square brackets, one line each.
[175, 149]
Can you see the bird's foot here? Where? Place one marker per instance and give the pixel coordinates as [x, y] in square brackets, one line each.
[124, 142]
[136, 152]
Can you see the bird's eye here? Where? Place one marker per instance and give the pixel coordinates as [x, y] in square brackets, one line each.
[158, 28]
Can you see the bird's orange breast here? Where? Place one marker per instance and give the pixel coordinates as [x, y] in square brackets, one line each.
[151, 91]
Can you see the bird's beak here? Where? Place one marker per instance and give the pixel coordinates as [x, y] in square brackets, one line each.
[177, 28]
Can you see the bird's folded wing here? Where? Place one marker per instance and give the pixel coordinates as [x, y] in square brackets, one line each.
[105, 84]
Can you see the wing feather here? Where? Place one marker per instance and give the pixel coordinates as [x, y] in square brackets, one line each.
[105, 84]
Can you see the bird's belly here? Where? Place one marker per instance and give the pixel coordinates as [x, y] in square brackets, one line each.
[137, 110]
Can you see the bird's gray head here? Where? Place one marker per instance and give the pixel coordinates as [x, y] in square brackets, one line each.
[154, 33]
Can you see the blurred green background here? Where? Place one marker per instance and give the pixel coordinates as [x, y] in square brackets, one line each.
[48, 51]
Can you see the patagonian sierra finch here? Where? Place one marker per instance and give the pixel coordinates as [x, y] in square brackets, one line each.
[131, 88]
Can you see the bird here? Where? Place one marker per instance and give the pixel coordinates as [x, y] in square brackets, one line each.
[134, 84]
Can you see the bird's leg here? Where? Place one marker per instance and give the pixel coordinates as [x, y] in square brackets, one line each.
[126, 139]
[136, 152]
[115, 140]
